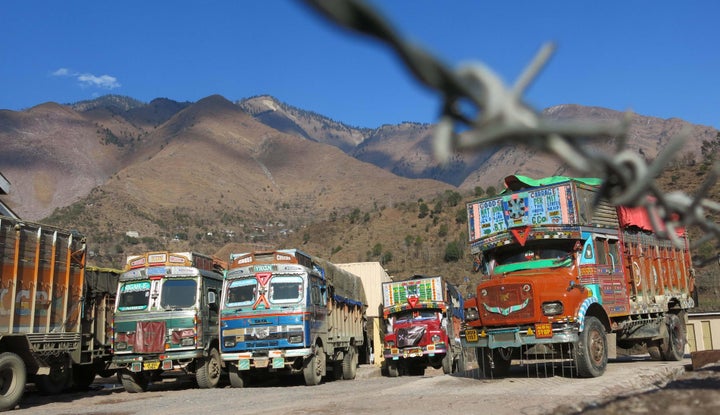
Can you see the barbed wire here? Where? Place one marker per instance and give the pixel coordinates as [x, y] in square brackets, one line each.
[503, 118]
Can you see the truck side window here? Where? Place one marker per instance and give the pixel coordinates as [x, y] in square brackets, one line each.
[315, 297]
[601, 250]
[613, 252]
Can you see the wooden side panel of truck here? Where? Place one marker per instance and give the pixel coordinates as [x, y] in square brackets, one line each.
[42, 271]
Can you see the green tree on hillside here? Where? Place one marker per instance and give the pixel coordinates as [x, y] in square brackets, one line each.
[424, 210]
[461, 215]
[453, 198]
[453, 252]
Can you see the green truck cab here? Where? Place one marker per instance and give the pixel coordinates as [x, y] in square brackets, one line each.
[166, 319]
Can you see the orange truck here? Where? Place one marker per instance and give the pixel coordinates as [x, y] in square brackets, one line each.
[55, 312]
[571, 281]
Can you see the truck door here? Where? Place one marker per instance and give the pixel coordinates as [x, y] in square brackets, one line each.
[611, 277]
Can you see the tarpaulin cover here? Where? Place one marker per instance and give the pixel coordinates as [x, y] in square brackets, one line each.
[347, 285]
[638, 217]
[150, 337]
[101, 280]
[518, 182]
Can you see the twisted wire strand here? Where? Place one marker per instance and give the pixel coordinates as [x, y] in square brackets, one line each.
[503, 118]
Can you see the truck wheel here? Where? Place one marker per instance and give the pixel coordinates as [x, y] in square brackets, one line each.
[460, 362]
[12, 380]
[591, 353]
[134, 382]
[673, 348]
[314, 367]
[495, 362]
[56, 381]
[392, 368]
[447, 363]
[237, 379]
[349, 364]
[209, 370]
[83, 376]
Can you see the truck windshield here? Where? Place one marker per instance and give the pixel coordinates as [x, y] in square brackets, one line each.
[134, 295]
[178, 293]
[512, 254]
[286, 289]
[241, 292]
[414, 315]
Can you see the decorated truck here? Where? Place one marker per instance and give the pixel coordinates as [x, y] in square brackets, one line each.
[286, 312]
[53, 312]
[166, 319]
[571, 279]
[422, 317]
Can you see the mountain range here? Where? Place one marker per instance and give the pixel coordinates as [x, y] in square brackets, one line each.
[208, 173]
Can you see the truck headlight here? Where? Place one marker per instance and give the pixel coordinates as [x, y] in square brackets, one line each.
[120, 345]
[435, 338]
[471, 314]
[553, 308]
[229, 341]
[295, 338]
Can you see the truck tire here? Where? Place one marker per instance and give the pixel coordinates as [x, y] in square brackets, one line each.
[134, 382]
[237, 379]
[12, 380]
[673, 348]
[55, 382]
[494, 363]
[591, 352]
[393, 370]
[314, 365]
[447, 363]
[460, 362]
[209, 370]
[349, 364]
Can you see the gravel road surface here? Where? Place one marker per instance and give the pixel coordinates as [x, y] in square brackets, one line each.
[632, 385]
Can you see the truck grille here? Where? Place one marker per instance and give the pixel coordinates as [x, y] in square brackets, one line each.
[507, 303]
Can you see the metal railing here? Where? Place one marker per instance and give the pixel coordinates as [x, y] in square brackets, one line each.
[503, 118]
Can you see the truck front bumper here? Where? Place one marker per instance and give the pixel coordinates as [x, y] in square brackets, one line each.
[275, 359]
[517, 336]
[164, 361]
[418, 351]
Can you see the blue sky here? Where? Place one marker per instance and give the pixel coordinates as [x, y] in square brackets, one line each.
[658, 58]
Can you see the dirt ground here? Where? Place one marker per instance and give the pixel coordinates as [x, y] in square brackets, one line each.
[630, 386]
[693, 392]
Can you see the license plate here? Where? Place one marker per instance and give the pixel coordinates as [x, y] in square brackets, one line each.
[471, 335]
[153, 365]
[543, 330]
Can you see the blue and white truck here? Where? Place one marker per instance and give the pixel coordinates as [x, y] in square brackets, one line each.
[286, 312]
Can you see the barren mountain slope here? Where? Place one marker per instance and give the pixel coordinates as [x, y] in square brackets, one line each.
[52, 156]
[647, 136]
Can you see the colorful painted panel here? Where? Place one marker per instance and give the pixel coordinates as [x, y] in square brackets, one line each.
[427, 289]
[551, 205]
